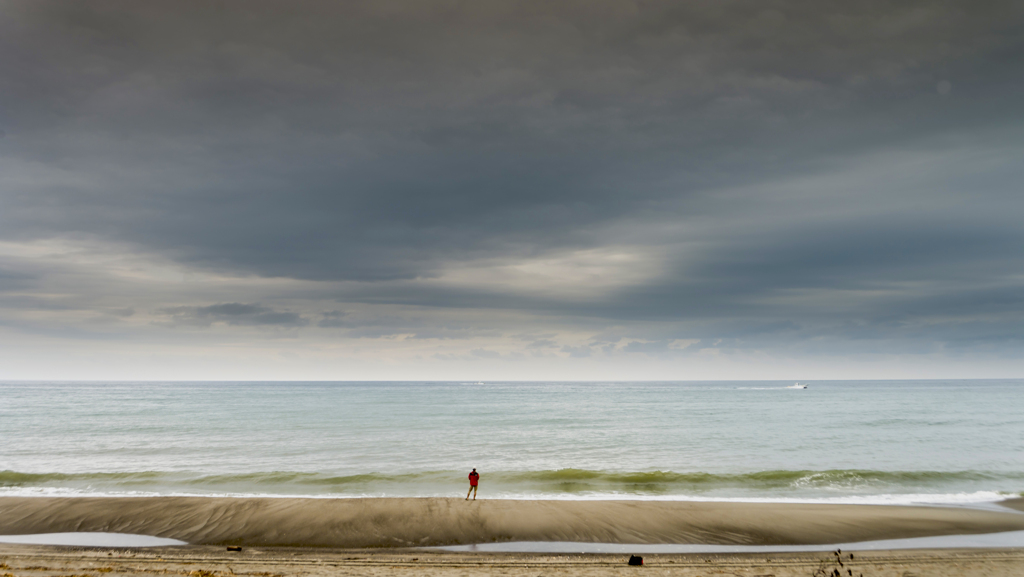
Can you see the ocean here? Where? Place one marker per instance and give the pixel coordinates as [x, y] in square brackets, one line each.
[885, 442]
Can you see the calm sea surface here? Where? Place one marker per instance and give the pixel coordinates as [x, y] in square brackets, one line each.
[850, 441]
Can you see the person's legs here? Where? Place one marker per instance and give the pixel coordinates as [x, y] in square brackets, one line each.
[473, 488]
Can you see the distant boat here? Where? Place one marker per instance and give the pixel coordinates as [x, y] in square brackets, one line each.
[797, 386]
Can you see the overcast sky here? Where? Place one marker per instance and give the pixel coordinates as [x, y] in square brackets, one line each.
[485, 189]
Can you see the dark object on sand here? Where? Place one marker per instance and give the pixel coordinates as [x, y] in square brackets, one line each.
[636, 560]
[234, 548]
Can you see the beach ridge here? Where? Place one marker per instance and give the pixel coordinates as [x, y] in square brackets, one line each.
[420, 522]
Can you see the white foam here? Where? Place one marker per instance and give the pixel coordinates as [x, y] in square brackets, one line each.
[940, 499]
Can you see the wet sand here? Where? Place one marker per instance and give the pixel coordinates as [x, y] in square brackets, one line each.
[1015, 504]
[378, 534]
[380, 523]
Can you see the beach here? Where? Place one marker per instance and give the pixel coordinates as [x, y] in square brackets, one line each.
[426, 522]
[32, 561]
[312, 537]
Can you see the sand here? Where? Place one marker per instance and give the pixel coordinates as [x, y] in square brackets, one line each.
[373, 537]
[1015, 504]
[208, 561]
[377, 523]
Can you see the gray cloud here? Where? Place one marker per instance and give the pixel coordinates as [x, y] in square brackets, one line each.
[332, 319]
[14, 280]
[784, 173]
[578, 352]
[542, 344]
[233, 314]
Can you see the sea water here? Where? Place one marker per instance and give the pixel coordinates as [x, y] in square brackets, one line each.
[847, 442]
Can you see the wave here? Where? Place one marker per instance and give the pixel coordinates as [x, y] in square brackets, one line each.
[543, 482]
[143, 478]
[775, 478]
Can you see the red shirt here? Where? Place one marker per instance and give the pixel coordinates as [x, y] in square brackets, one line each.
[473, 478]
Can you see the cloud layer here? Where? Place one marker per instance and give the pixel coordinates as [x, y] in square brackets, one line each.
[437, 184]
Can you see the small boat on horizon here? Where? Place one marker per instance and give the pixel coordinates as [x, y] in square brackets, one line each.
[797, 386]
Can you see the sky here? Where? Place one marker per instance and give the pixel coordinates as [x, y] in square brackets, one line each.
[511, 190]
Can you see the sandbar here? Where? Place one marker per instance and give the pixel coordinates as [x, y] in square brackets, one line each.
[423, 522]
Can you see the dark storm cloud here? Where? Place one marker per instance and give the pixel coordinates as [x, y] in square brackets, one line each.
[383, 142]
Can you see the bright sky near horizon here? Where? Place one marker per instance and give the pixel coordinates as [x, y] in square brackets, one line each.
[535, 190]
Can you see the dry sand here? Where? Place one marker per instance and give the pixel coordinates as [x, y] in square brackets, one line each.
[208, 561]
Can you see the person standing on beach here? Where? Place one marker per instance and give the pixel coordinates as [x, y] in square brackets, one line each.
[474, 478]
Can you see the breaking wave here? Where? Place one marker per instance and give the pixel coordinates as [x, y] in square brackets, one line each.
[560, 483]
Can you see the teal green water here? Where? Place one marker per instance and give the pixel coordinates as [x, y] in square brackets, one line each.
[851, 441]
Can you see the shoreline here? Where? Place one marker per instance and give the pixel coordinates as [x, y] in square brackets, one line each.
[425, 522]
[984, 499]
